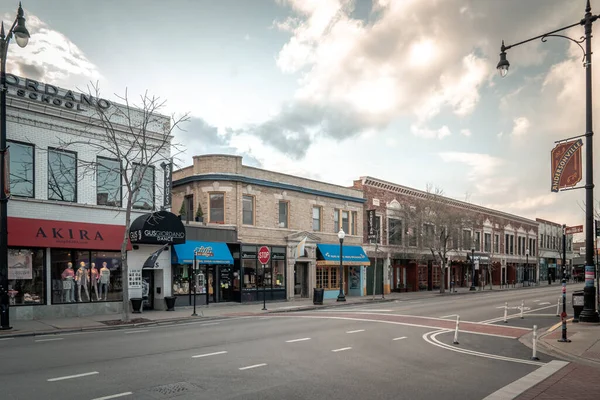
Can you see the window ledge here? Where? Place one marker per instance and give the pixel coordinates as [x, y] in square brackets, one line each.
[81, 205]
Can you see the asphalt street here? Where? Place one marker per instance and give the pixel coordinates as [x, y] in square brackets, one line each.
[289, 356]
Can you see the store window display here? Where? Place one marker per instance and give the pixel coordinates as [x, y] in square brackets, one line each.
[26, 276]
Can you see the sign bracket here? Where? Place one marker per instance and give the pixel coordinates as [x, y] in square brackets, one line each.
[567, 139]
[573, 188]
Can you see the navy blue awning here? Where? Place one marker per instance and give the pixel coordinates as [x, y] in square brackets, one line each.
[206, 253]
[329, 254]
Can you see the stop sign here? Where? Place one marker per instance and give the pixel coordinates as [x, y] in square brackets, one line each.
[264, 255]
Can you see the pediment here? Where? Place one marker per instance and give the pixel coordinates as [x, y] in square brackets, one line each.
[394, 204]
[487, 223]
[310, 237]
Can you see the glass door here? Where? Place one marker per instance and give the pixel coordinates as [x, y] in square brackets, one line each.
[225, 284]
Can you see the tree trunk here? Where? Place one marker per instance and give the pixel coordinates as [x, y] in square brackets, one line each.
[126, 315]
[490, 271]
[443, 278]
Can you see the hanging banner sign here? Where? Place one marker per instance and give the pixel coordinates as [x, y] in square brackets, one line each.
[371, 225]
[566, 165]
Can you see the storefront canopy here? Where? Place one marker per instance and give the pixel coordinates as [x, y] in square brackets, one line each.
[329, 254]
[206, 253]
[160, 227]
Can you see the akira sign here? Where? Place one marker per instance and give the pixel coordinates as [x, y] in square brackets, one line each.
[566, 165]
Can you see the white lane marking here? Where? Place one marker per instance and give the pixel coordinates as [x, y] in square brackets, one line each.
[356, 331]
[210, 354]
[138, 331]
[491, 321]
[49, 340]
[448, 316]
[431, 338]
[8, 338]
[62, 378]
[399, 338]
[515, 389]
[114, 396]
[545, 303]
[414, 302]
[342, 349]
[287, 308]
[536, 301]
[297, 340]
[197, 323]
[252, 366]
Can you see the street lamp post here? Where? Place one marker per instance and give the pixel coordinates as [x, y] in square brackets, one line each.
[527, 267]
[589, 313]
[473, 269]
[21, 35]
[341, 296]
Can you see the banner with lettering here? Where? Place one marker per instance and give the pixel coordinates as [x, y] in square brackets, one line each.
[566, 165]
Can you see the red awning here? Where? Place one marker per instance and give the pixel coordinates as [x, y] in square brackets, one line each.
[29, 232]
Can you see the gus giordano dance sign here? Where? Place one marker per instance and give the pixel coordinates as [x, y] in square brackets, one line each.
[49, 94]
[566, 165]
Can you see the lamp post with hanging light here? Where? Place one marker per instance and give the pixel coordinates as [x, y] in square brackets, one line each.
[589, 313]
[21, 34]
[341, 295]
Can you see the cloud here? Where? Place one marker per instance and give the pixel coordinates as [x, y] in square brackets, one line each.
[430, 133]
[520, 126]
[482, 165]
[526, 204]
[465, 132]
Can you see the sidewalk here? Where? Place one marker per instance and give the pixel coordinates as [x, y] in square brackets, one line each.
[213, 311]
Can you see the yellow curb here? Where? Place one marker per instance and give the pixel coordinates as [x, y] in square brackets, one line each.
[555, 326]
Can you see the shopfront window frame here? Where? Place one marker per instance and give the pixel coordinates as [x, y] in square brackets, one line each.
[278, 255]
[44, 295]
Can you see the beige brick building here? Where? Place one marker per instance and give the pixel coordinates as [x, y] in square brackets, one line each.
[277, 210]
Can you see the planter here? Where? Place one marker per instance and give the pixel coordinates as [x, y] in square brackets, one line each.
[298, 289]
[170, 300]
[199, 219]
[318, 296]
[136, 305]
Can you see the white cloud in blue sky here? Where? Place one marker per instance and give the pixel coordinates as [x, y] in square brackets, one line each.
[337, 89]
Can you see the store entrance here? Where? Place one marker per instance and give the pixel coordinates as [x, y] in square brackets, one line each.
[148, 289]
[225, 292]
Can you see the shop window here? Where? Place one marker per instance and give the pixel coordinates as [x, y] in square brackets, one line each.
[284, 214]
[62, 175]
[394, 232]
[22, 167]
[327, 277]
[316, 218]
[26, 277]
[217, 208]
[248, 210]
[85, 276]
[143, 179]
[249, 262]
[108, 182]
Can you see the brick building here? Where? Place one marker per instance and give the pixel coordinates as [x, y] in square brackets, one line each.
[64, 211]
[501, 243]
[297, 218]
[551, 250]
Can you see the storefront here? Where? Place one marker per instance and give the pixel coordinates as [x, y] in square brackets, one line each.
[354, 261]
[258, 280]
[60, 268]
[203, 269]
[149, 263]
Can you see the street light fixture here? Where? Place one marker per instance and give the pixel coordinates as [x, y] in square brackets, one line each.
[21, 34]
[527, 267]
[589, 313]
[341, 296]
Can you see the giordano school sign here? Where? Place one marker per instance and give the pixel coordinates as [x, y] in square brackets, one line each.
[52, 95]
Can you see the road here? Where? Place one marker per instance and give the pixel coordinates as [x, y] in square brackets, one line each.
[393, 350]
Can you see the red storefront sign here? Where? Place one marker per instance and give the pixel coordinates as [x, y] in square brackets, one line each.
[28, 232]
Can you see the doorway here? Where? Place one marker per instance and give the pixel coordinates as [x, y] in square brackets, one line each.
[148, 289]
[225, 292]
[301, 279]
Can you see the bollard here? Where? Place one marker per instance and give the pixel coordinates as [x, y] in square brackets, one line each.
[505, 312]
[563, 315]
[522, 307]
[534, 356]
[456, 330]
[558, 308]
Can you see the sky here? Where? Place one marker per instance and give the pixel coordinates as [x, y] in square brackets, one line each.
[402, 90]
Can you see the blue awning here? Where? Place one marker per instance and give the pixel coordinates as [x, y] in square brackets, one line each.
[206, 253]
[329, 254]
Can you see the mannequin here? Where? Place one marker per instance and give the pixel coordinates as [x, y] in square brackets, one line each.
[104, 280]
[68, 276]
[95, 278]
[82, 277]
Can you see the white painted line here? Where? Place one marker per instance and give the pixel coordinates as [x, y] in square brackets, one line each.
[544, 303]
[297, 340]
[196, 323]
[356, 331]
[114, 396]
[536, 301]
[491, 321]
[399, 338]
[365, 310]
[342, 349]
[519, 386]
[49, 340]
[138, 331]
[414, 302]
[78, 333]
[8, 338]
[62, 378]
[448, 316]
[252, 366]
[210, 354]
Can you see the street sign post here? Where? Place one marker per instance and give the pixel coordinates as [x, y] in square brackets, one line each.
[264, 255]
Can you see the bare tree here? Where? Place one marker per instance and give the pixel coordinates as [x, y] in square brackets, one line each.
[130, 140]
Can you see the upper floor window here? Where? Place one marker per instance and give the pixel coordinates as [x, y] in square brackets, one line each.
[216, 206]
[477, 241]
[394, 232]
[284, 214]
[346, 221]
[316, 218]
[467, 243]
[428, 235]
[412, 236]
[496, 243]
[143, 179]
[336, 220]
[62, 175]
[487, 242]
[354, 223]
[108, 182]
[22, 165]
[247, 210]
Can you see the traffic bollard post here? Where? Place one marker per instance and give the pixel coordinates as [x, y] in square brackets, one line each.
[534, 356]
[522, 307]
[456, 330]
[558, 308]
[505, 312]
[563, 315]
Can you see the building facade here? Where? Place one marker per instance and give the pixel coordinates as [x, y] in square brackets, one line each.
[503, 246]
[65, 215]
[551, 250]
[297, 218]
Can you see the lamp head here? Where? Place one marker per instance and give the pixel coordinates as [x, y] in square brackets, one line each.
[341, 234]
[503, 64]
[20, 31]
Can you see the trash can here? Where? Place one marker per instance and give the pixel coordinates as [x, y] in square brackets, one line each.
[577, 302]
[318, 296]
[136, 305]
[170, 300]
